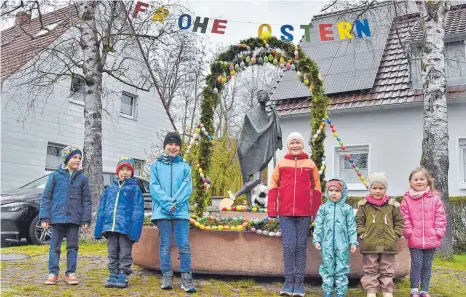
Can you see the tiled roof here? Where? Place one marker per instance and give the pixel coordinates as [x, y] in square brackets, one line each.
[392, 83]
[20, 44]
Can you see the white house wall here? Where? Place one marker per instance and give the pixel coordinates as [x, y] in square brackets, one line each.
[394, 136]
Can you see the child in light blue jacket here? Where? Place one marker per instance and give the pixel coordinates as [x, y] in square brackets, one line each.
[171, 188]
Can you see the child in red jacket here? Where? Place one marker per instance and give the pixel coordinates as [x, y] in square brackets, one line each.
[425, 225]
[295, 196]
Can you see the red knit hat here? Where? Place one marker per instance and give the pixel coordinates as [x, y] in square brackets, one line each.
[335, 183]
[125, 161]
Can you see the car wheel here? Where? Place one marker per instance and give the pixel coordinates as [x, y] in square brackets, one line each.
[37, 234]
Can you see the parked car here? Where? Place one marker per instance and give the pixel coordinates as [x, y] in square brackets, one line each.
[20, 209]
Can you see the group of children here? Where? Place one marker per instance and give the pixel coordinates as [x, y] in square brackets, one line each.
[379, 222]
[294, 197]
[66, 205]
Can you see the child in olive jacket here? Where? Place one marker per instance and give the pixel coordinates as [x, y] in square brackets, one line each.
[380, 225]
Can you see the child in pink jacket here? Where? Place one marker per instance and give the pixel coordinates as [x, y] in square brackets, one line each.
[425, 225]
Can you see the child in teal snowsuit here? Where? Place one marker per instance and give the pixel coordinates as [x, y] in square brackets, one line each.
[335, 234]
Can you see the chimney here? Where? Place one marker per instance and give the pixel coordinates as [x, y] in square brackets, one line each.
[22, 18]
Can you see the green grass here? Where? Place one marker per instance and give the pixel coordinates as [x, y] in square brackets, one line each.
[24, 279]
[458, 263]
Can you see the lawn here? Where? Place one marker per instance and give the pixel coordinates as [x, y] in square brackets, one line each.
[24, 278]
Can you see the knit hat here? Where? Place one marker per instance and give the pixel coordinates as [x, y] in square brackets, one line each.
[295, 136]
[172, 137]
[377, 177]
[335, 183]
[68, 152]
[125, 161]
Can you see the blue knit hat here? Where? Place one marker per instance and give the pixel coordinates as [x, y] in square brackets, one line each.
[68, 152]
[125, 161]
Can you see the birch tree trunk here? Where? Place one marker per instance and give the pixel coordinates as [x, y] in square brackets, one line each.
[92, 69]
[435, 137]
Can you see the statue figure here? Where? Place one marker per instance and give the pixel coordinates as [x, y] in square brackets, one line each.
[260, 137]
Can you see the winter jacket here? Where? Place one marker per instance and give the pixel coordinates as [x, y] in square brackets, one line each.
[380, 226]
[170, 185]
[335, 225]
[66, 199]
[121, 210]
[294, 188]
[425, 222]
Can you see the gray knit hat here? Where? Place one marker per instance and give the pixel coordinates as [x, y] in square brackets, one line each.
[377, 177]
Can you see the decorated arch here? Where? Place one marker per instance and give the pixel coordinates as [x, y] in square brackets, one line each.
[257, 51]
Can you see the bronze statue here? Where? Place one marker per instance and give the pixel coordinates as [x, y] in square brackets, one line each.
[260, 137]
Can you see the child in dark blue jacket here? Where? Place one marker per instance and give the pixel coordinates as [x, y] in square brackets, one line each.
[65, 205]
[120, 219]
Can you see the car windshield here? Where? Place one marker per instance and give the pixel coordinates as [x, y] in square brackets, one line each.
[38, 183]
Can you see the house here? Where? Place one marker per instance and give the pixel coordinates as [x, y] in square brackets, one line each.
[35, 127]
[376, 96]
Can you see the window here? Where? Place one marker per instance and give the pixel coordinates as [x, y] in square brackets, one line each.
[77, 90]
[53, 158]
[139, 167]
[455, 65]
[462, 163]
[344, 169]
[128, 106]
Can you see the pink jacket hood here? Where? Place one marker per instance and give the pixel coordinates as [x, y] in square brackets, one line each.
[425, 222]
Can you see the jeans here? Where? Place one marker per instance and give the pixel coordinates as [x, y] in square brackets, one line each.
[181, 230]
[72, 234]
[119, 248]
[295, 233]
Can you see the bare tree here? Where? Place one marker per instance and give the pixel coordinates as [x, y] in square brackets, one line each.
[101, 41]
[435, 139]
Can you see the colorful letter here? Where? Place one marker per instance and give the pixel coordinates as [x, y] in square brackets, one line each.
[188, 21]
[218, 26]
[287, 36]
[160, 15]
[307, 35]
[198, 24]
[140, 6]
[363, 28]
[261, 29]
[324, 32]
[344, 30]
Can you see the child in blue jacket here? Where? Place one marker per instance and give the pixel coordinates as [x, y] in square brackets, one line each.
[65, 206]
[120, 219]
[171, 187]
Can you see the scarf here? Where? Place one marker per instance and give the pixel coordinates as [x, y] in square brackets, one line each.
[378, 202]
[165, 158]
[417, 194]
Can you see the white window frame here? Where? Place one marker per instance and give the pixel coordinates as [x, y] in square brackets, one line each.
[56, 145]
[352, 149]
[76, 97]
[461, 145]
[143, 163]
[134, 108]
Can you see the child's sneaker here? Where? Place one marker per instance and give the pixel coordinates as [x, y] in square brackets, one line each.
[71, 279]
[122, 281]
[371, 295]
[340, 295]
[52, 279]
[298, 289]
[415, 294]
[167, 280]
[425, 294]
[111, 280]
[387, 294]
[327, 295]
[287, 289]
[187, 282]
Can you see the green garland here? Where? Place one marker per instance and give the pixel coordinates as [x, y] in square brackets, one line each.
[229, 62]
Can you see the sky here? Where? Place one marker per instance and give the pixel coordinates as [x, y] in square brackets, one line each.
[245, 17]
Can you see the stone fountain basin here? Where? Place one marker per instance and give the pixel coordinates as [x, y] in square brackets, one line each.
[245, 254]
